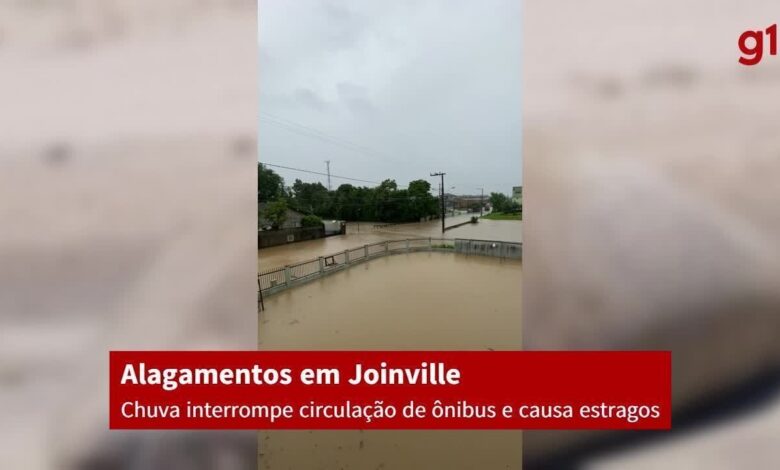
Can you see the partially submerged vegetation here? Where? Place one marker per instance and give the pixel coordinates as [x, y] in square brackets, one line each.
[311, 221]
[503, 216]
[444, 246]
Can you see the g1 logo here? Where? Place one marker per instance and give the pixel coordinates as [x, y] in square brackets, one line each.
[751, 44]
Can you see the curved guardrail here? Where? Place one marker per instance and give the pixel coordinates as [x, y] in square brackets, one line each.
[278, 279]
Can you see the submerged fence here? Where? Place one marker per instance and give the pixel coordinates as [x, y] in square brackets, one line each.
[277, 279]
[489, 248]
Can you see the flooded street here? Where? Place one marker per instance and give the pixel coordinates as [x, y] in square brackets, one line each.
[499, 230]
[364, 233]
[406, 301]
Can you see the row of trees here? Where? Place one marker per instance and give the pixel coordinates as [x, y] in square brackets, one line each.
[384, 203]
[503, 203]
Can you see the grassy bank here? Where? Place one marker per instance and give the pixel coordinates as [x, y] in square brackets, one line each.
[502, 216]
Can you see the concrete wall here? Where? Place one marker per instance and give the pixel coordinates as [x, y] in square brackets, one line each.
[269, 238]
[293, 217]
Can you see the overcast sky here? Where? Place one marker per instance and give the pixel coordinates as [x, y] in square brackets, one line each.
[392, 89]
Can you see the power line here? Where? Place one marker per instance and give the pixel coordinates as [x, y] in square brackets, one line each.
[320, 173]
[308, 131]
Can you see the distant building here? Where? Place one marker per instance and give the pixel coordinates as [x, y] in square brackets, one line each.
[293, 218]
[334, 227]
[517, 194]
[468, 202]
[449, 201]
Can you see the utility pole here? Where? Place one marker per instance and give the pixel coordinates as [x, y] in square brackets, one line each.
[327, 164]
[481, 200]
[441, 196]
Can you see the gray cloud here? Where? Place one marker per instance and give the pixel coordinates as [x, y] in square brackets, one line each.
[430, 85]
[308, 98]
[355, 97]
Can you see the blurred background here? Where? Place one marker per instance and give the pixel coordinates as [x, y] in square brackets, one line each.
[127, 216]
[128, 144]
[651, 161]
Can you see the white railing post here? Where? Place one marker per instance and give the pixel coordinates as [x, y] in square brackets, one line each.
[365, 250]
[287, 275]
[346, 257]
[322, 264]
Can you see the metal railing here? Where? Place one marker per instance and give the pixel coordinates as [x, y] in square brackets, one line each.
[277, 279]
[489, 248]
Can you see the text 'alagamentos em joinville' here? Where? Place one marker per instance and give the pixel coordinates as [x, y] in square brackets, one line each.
[433, 373]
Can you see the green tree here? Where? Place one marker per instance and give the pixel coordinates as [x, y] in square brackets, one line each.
[419, 188]
[313, 198]
[384, 200]
[388, 185]
[384, 203]
[276, 213]
[500, 202]
[347, 202]
[311, 221]
[270, 186]
[423, 203]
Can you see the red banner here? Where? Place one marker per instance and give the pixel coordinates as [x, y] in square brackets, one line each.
[390, 390]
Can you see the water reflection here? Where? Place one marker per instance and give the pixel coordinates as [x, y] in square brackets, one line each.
[407, 301]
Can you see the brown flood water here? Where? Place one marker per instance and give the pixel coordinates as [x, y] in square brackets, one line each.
[406, 301]
[363, 233]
